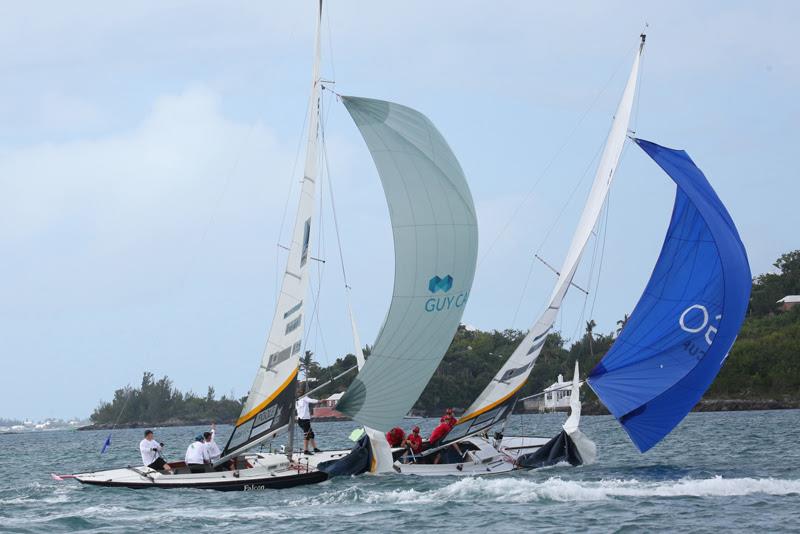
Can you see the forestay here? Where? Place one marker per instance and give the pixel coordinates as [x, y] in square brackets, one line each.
[435, 242]
[268, 407]
[682, 328]
[497, 400]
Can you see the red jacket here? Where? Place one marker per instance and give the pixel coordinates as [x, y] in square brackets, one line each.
[439, 432]
[415, 442]
[395, 437]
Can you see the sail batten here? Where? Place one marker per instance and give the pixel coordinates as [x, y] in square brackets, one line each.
[435, 241]
[689, 315]
[496, 401]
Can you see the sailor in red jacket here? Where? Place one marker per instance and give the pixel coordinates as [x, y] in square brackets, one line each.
[440, 431]
[395, 437]
[449, 417]
[414, 441]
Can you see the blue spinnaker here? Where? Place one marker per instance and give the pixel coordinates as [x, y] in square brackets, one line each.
[680, 332]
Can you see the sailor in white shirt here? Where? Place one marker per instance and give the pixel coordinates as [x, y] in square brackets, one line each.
[304, 420]
[211, 446]
[197, 455]
[151, 453]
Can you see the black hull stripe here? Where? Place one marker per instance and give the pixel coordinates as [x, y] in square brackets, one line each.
[257, 484]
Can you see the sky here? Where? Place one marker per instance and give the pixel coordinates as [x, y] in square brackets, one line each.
[149, 167]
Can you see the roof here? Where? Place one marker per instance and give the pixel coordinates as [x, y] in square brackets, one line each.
[558, 386]
[789, 298]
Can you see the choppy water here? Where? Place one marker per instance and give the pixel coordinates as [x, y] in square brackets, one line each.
[718, 471]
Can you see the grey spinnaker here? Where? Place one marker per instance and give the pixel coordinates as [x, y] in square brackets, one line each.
[436, 243]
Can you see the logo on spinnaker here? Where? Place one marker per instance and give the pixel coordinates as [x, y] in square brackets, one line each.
[444, 302]
[440, 284]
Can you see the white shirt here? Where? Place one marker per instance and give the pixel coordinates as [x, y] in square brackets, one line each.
[303, 411]
[197, 453]
[212, 448]
[148, 454]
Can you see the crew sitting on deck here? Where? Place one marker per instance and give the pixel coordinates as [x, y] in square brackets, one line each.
[151, 453]
[413, 441]
[395, 437]
[197, 455]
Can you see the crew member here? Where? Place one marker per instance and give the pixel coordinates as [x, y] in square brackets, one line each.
[151, 453]
[197, 455]
[414, 441]
[211, 446]
[396, 437]
[449, 417]
[440, 432]
[304, 420]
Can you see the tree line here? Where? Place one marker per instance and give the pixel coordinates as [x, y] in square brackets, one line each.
[763, 364]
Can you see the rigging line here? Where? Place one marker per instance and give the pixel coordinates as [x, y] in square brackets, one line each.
[330, 40]
[582, 316]
[572, 194]
[602, 251]
[639, 81]
[552, 161]
[333, 208]
[522, 293]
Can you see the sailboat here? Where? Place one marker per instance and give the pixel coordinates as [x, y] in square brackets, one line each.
[436, 242]
[493, 406]
[664, 360]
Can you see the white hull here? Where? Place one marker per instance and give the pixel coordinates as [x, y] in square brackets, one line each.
[264, 471]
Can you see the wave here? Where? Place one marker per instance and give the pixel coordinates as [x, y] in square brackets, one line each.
[519, 490]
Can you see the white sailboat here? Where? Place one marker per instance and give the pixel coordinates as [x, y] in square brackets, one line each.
[496, 402]
[477, 453]
[436, 242]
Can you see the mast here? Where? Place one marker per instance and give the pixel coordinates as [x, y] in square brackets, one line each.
[500, 394]
[270, 406]
[307, 192]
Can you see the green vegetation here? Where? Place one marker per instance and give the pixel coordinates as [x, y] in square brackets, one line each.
[157, 402]
[763, 365]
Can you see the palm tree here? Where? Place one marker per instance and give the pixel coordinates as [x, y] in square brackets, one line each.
[621, 323]
[308, 366]
[590, 324]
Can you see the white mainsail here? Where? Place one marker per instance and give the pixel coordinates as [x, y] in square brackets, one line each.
[267, 409]
[496, 401]
[436, 243]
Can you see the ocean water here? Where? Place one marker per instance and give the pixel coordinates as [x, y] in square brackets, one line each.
[729, 471]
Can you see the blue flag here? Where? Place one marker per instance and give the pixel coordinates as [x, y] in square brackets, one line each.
[107, 444]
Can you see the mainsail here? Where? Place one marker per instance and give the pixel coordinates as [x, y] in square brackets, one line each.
[682, 328]
[435, 242]
[497, 400]
[268, 407]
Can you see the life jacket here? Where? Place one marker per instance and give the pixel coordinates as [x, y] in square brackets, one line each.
[395, 437]
[415, 441]
[440, 432]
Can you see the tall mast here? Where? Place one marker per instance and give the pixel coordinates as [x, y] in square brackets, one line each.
[307, 191]
[500, 395]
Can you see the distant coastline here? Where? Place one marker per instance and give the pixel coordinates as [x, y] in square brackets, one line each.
[589, 408]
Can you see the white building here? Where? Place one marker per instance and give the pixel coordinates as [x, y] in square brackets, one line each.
[557, 395]
[789, 301]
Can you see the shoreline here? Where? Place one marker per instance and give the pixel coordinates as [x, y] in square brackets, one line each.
[588, 408]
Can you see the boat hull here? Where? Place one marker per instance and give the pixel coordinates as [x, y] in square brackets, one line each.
[263, 472]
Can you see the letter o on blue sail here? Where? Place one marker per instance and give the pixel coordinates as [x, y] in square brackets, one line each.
[682, 328]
